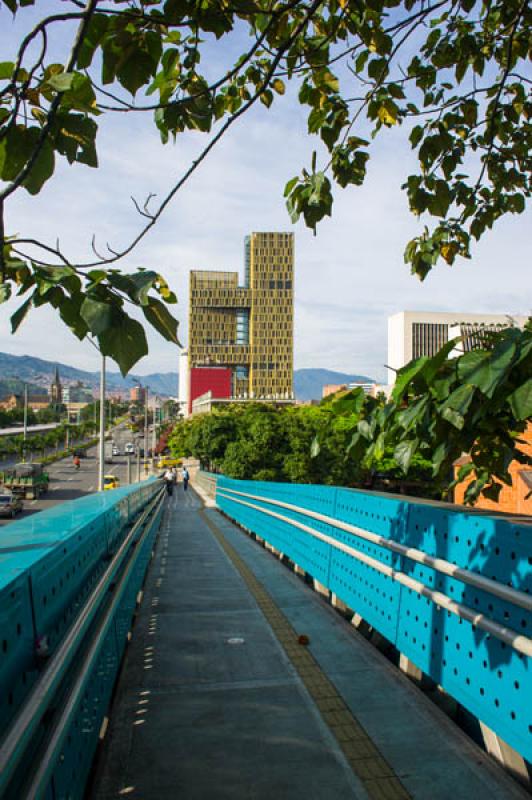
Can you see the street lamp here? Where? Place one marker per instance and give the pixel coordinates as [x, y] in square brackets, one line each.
[154, 434]
[139, 384]
[101, 442]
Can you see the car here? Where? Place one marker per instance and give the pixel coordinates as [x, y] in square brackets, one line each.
[168, 461]
[110, 482]
[116, 451]
[10, 504]
[129, 449]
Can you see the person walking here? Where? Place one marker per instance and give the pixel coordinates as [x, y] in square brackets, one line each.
[169, 481]
[186, 478]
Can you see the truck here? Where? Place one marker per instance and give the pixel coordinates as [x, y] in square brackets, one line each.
[26, 480]
[108, 452]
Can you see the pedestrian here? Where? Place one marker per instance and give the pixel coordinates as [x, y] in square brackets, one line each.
[186, 478]
[169, 481]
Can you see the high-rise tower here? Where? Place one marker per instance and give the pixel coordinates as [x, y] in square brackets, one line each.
[241, 337]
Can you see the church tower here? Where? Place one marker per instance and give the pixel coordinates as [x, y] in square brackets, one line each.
[56, 389]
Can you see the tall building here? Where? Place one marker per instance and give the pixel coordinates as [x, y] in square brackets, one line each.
[137, 394]
[412, 334]
[241, 337]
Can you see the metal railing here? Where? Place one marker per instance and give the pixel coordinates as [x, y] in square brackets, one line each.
[450, 588]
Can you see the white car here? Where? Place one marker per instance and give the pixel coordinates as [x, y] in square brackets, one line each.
[129, 449]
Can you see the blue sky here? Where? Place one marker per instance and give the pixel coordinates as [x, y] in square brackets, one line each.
[349, 278]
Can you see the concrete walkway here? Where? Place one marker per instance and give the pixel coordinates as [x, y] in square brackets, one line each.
[218, 698]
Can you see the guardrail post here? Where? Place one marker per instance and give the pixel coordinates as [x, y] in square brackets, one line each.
[504, 754]
[409, 668]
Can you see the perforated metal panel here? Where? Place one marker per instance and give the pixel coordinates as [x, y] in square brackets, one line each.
[486, 675]
[17, 661]
[48, 565]
[80, 741]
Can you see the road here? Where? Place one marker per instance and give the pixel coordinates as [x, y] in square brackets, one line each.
[66, 483]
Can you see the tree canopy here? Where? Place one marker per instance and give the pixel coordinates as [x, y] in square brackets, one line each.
[454, 74]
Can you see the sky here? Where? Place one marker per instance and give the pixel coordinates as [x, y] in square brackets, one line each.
[348, 278]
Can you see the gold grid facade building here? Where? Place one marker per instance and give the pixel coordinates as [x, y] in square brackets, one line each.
[249, 328]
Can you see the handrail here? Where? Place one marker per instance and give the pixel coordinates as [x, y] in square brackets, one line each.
[510, 637]
[514, 596]
[25, 723]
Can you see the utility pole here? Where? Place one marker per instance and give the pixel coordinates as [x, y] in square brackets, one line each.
[128, 468]
[145, 424]
[25, 435]
[101, 444]
[138, 461]
[25, 411]
[154, 433]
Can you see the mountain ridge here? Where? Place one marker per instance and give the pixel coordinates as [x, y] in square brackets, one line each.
[308, 382]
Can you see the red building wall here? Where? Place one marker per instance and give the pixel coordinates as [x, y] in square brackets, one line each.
[205, 379]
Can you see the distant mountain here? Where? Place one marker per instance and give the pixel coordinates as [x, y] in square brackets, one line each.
[40, 372]
[309, 383]
[9, 386]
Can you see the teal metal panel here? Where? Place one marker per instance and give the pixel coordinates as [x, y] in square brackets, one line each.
[18, 669]
[487, 676]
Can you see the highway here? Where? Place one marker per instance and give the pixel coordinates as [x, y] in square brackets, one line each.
[67, 483]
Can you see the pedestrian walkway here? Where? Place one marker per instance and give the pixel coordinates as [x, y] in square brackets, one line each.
[240, 682]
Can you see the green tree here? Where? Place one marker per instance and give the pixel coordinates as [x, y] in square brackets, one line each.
[452, 72]
[478, 403]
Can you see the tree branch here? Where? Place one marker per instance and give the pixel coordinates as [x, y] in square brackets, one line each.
[25, 171]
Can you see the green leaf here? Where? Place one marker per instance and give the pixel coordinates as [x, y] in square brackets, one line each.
[62, 82]
[406, 374]
[5, 292]
[349, 403]
[6, 69]
[98, 316]
[158, 315]
[124, 341]
[42, 169]
[521, 401]
[403, 453]
[315, 448]
[20, 314]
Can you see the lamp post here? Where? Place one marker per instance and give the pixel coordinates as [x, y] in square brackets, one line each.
[154, 432]
[145, 388]
[101, 443]
[25, 411]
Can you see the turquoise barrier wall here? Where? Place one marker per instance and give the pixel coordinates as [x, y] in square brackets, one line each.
[49, 562]
[487, 675]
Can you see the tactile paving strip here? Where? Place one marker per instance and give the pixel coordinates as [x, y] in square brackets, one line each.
[365, 759]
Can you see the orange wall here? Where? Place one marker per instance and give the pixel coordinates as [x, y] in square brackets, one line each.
[511, 498]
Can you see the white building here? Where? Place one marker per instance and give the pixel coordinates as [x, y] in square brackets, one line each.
[412, 334]
[184, 383]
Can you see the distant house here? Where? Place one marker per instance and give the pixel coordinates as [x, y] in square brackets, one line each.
[35, 402]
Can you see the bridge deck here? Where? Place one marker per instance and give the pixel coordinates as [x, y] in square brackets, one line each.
[219, 700]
